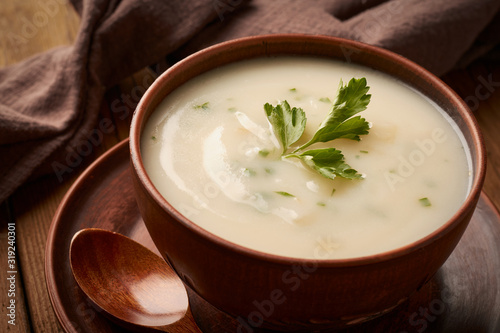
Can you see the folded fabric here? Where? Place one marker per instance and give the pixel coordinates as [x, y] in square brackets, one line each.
[49, 103]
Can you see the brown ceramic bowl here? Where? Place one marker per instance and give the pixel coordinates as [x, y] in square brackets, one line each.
[245, 290]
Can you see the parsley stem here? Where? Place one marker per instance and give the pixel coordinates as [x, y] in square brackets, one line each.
[304, 146]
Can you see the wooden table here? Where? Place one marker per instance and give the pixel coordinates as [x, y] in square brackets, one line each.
[33, 205]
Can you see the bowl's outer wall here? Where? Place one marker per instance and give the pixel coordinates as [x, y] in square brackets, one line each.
[235, 282]
[241, 282]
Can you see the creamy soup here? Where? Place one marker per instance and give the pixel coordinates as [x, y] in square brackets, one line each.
[210, 151]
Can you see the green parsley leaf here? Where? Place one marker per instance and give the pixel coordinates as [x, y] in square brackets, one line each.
[340, 123]
[288, 123]
[285, 194]
[328, 162]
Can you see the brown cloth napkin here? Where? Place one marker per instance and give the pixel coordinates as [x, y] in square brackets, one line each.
[49, 103]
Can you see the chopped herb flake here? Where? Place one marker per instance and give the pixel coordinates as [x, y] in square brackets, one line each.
[325, 100]
[285, 194]
[293, 89]
[232, 109]
[364, 151]
[321, 204]
[425, 202]
[249, 172]
[204, 106]
[264, 152]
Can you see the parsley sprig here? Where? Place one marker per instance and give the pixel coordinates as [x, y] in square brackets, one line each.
[289, 123]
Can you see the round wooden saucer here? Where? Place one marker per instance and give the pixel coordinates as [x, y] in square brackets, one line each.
[464, 296]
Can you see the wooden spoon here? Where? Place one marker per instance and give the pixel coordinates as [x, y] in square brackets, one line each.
[132, 285]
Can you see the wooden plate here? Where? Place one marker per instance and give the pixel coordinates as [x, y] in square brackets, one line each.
[464, 296]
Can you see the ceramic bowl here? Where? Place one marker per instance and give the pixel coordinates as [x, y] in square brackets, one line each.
[233, 288]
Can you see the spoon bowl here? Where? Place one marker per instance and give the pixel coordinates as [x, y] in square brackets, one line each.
[131, 284]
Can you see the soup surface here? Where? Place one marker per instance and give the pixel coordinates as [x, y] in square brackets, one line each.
[210, 151]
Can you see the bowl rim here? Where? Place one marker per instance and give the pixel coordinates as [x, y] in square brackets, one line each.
[462, 109]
